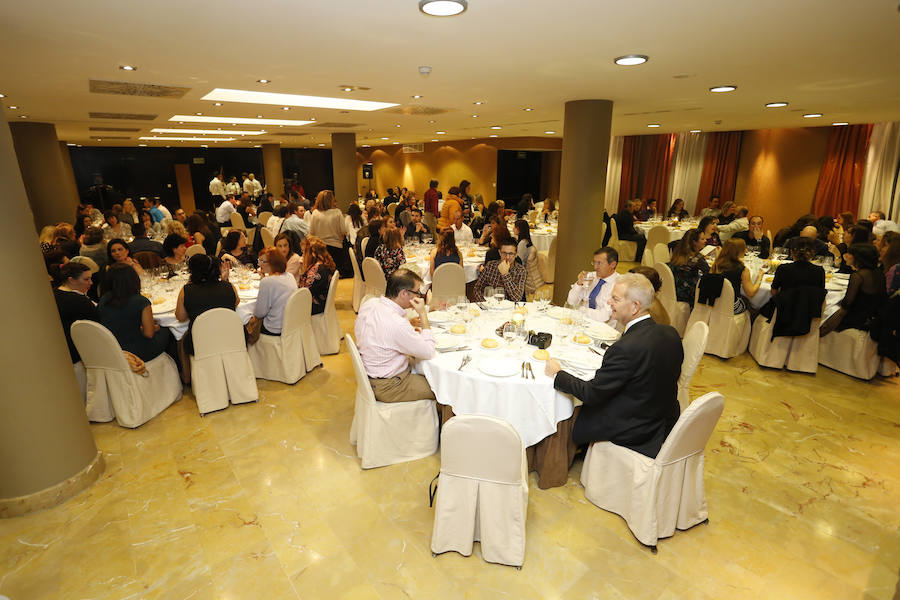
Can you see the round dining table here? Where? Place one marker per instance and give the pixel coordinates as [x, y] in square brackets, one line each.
[676, 232]
[419, 255]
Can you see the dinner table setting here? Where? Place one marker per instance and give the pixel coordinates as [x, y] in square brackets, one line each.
[419, 253]
[835, 283]
[675, 227]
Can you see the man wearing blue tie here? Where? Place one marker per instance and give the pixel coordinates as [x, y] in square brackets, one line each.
[595, 287]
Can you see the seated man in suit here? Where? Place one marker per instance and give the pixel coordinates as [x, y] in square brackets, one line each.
[755, 238]
[633, 400]
[596, 287]
[625, 224]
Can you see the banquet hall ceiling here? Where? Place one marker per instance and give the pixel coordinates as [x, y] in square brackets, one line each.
[832, 57]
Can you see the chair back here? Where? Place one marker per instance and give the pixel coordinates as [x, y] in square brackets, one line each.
[392, 209]
[481, 447]
[613, 232]
[297, 312]
[86, 261]
[448, 281]
[374, 276]
[363, 244]
[332, 293]
[667, 290]
[98, 347]
[532, 216]
[148, 260]
[724, 306]
[661, 253]
[658, 234]
[193, 250]
[405, 218]
[237, 221]
[267, 238]
[693, 429]
[218, 331]
[363, 387]
[264, 217]
[694, 345]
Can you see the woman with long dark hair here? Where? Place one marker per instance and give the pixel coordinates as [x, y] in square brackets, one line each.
[207, 288]
[318, 267]
[129, 315]
[730, 264]
[445, 251]
[865, 292]
[688, 265]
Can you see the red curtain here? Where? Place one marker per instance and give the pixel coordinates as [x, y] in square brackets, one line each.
[656, 171]
[841, 176]
[631, 163]
[719, 168]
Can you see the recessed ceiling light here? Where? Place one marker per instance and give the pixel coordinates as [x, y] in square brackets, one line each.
[435, 140]
[204, 146]
[366, 146]
[313, 119]
[478, 102]
[23, 116]
[257, 146]
[251, 97]
[652, 124]
[217, 131]
[397, 125]
[142, 144]
[496, 127]
[493, 135]
[70, 144]
[238, 120]
[198, 114]
[416, 97]
[186, 139]
[217, 104]
[128, 68]
[263, 81]
[812, 115]
[474, 116]
[841, 123]
[2, 95]
[723, 88]
[630, 60]
[776, 104]
[321, 144]
[440, 132]
[431, 121]
[528, 109]
[384, 138]
[395, 143]
[13, 107]
[259, 116]
[285, 108]
[549, 132]
[695, 131]
[443, 8]
[347, 89]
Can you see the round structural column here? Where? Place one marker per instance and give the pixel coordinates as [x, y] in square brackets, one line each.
[343, 161]
[273, 171]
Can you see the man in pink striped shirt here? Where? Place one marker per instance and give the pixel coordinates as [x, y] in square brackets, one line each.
[386, 340]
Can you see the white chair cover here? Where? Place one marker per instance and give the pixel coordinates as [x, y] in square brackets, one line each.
[237, 221]
[268, 239]
[799, 353]
[86, 261]
[627, 250]
[658, 234]
[81, 378]
[325, 325]
[281, 357]
[389, 433]
[851, 351]
[448, 283]
[679, 312]
[533, 279]
[220, 368]
[392, 209]
[656, 496]
[547, 263]
[482, 491]
[694, 345]
[359, 286]
[193, 250]
[264, 217]
[374, 276]
[113, 391]
[363, 244]
[729, 333]
[661, 254]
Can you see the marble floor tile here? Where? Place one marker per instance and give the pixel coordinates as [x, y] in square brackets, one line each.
[268, 500]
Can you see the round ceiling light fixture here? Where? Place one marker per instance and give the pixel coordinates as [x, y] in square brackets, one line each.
[722, 88]
[778, 104]
[443, 8]
[630, 60]
[128, 67]
[263, 81]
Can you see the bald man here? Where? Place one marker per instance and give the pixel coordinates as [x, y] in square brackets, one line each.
[812, 233]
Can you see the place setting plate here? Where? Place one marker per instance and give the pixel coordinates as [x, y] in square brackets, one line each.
[161, 304]
[500, 367]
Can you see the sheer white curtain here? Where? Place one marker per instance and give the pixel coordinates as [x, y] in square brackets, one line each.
[614, 175]
[881, 169]
[690, 150]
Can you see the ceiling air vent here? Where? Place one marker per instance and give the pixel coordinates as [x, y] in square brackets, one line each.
[122, 116]
[337, 125]
[115, 128]
[416, 110]
[125, 88]
[413, 148]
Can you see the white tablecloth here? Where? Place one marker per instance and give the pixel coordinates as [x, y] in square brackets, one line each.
[419, 255]
[675, 233]
[541, 236]
[532, 407]
[835, 288]
[178, 328]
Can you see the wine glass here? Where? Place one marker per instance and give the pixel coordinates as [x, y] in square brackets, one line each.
[509, 333]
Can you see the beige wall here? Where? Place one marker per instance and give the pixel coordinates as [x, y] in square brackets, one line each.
[448, 162]
[778, 172]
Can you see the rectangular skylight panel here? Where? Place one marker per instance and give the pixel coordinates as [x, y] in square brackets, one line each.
[238, 120]
[208, 131]
[248, 97]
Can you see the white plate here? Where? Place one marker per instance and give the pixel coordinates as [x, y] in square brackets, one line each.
[167, 306]
[438, 316]
[602, 332]
[558, 312]
[500, 367]
[503, 305]
[444, 341]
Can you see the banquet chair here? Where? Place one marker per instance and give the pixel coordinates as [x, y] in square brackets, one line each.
[374, 276]
[113, 390]
[800, 353]
[547, 263]
[218, 247]
[656, 495]
[193, 250]
[363, 244]
[852, 352]
[268, 239]
[679, 312]
[532, 216]
[482, 490]
[661, 254]
[729, 333]
[405, 218]
[387, 433]
[533, 279]
[392, 209]
[282, 357]
[237, 221]
[220, 367]
[694, 345]
[325, 325]
[86, 261]
[359, 286]
[264, 217]
[448, 283]
[627, 250]
[657, 235]
[148, 260]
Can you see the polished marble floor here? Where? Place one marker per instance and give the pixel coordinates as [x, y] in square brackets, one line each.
[268, 501]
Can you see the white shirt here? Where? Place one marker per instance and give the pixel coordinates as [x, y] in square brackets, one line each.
[463, 234]
[634, 321]
[295, 223]
[275, 225]
[252, 187]
[579, 293]
[216, 187]
[726, 231]
[165, 211]
[274, 292]
[386, 339]
[223, 213]
[232, 187]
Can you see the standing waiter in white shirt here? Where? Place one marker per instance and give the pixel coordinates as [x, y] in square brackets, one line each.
[252, 186]
[217, 190]
[596, 287]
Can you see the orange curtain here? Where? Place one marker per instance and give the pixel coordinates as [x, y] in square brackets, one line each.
[656, 172]
[631, 163]
[719, 168]
[841, 176]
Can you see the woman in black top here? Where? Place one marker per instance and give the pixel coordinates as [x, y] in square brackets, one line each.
[129, 316]
[865, 292]
[201, 232]
[677, 210]
[174, 249]
[73, 280]
[234, 249]
[207, 288]
[729, 264]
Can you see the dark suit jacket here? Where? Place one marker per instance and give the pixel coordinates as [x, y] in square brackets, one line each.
[762, 244]
[625, 224]
[633, 400]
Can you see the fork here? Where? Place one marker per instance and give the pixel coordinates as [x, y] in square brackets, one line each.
[466, 359]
